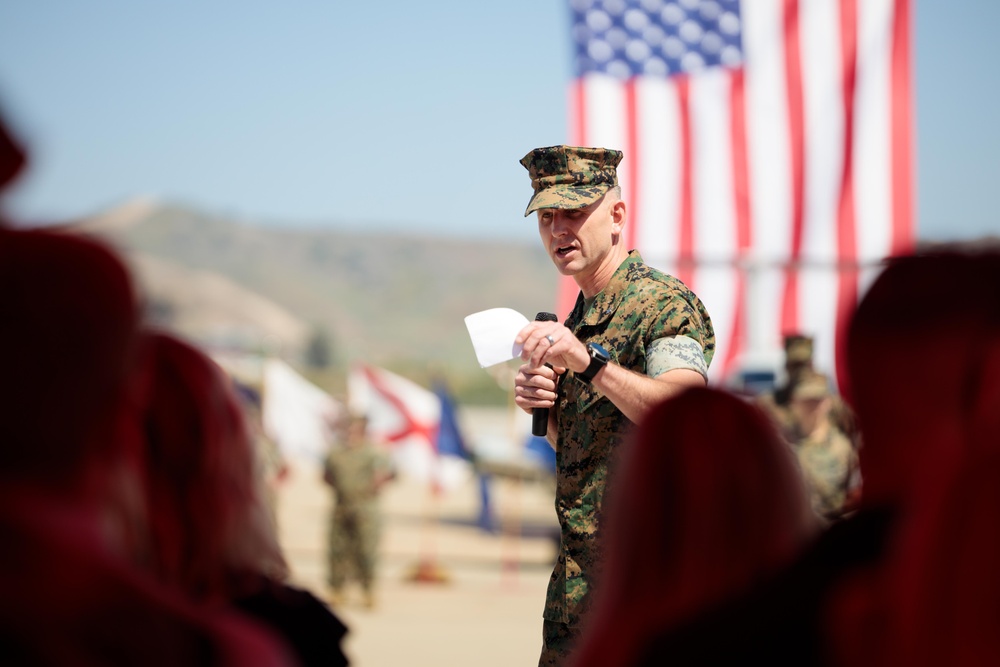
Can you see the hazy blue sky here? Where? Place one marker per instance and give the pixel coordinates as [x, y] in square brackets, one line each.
[391, 113]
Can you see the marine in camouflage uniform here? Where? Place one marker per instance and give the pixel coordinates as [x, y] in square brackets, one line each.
[827, 457]
[356, 471]
[777, 403]
[654, 338]
[798, 362]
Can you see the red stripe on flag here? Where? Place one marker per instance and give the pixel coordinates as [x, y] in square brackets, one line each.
[847, 276]
[741, 176]
[741, 200]
[737, 339]
[685, 241]
[797, 164]
[411, 426]
[568, 290]
[903, 223]
[632, 162]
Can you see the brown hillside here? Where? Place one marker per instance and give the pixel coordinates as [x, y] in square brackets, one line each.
[392, 299]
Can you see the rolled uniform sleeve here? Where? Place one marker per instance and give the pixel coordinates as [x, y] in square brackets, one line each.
[673, 352]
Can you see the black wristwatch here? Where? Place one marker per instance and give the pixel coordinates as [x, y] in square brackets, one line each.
[599, 358]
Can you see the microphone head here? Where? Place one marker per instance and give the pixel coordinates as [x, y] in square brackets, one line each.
[546, 317]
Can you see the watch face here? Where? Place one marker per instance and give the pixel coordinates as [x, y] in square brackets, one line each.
[598, 352]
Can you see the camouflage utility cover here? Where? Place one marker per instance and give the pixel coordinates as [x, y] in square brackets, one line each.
[570, 176]
[811, 386]
[798, 349]
[638, 306]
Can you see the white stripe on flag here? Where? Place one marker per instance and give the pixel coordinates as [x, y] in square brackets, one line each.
[606, 123]
[657, 114]
[715, 239]
[770, 171]
[872, 155]
[824, 139]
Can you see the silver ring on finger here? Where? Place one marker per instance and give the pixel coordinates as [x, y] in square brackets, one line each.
[552, 341]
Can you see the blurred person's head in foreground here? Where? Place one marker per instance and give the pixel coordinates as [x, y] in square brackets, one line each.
[69, 334]
[919, 347]
[209, 524]
[71, 502]
[943, 585]
[935, 602]
[708, 502]
[932, 453]
[12, 159]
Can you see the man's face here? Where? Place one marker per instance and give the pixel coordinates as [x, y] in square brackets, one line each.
[797, 370]
[578, 240]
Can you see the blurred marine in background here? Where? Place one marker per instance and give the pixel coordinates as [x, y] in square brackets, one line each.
[820, 427]
[355, 470]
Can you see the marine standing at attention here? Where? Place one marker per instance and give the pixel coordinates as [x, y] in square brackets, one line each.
[635, 337]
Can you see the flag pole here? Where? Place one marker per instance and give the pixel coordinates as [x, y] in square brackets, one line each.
[427, 570]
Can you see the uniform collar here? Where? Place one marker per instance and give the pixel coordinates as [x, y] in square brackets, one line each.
[607, 300]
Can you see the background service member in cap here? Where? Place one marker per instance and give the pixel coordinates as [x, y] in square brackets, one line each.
[827, 457]
[819, 444]
[798, 364]
[636, 336]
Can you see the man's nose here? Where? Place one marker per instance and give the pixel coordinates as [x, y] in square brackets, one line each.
[559, 224]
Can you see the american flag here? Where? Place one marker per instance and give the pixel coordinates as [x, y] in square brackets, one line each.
[767, 154]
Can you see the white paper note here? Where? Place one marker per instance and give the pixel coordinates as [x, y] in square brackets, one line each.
[493, 332]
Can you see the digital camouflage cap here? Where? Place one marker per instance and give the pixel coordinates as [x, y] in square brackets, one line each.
[798, 349]
[570, 176]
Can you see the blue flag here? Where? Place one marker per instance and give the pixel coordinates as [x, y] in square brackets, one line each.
[451, 443]
[449, 440]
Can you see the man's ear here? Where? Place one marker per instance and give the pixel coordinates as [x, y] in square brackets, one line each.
[618, 217]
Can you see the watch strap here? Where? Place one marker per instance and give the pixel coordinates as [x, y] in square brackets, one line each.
[598, 360]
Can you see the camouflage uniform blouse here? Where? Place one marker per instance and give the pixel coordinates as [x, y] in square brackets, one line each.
[638, 306]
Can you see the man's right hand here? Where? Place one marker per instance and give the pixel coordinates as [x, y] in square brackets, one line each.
[535, 387]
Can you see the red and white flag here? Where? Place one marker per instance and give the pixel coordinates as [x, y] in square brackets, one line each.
[767, 153]
[405, 418]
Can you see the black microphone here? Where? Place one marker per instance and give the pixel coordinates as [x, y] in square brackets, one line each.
[540, 416]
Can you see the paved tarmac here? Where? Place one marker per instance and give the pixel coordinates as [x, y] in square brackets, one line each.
[489, 611]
